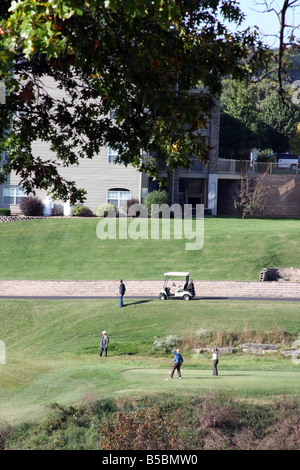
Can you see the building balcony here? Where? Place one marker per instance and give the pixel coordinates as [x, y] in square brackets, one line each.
[235, 168]
[241, 167]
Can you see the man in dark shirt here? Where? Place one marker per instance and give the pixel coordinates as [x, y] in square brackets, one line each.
[122, 290]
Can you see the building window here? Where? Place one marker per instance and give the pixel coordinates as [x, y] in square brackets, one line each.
[118, 196]
[112, 155]
[12, 195]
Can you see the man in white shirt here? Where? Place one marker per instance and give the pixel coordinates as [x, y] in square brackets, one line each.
[215, 360]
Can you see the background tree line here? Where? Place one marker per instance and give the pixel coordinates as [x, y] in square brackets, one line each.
[253, 114]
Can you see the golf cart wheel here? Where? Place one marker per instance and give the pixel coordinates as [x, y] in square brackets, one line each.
[186, 297]
[162, 297]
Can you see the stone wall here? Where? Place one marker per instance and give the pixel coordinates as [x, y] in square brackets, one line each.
[221, 290]
[16, 218]
[283, 197]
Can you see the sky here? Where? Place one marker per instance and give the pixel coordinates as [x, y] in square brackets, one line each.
[267, 22]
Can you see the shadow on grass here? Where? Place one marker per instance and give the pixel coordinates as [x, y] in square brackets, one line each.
[197, 378]
[136, 303]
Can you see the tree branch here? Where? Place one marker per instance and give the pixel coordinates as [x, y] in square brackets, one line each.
[285, 28]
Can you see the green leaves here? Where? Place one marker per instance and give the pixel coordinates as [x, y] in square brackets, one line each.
[139, 58]
[253, 115]
[33, 26]
[36, 26]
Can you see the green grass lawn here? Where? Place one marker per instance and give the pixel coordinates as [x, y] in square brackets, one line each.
[68, 249]
[52, 351]
[52, 347]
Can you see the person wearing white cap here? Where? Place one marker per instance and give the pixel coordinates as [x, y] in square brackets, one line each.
[104, 344]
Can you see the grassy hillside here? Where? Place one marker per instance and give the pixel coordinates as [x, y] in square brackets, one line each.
[69, 249]
[52, 351]
[52, 347]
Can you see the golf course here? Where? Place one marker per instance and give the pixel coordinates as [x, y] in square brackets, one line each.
[52, 346]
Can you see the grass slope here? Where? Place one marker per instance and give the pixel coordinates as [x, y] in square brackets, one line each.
[52, 346]
[68, 249]
[52, 351]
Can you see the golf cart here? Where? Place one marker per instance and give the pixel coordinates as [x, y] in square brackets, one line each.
[185, 291]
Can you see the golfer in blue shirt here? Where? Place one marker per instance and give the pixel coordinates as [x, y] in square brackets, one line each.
[178, 360]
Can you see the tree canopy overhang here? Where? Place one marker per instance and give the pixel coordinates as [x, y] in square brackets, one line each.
[137, 59]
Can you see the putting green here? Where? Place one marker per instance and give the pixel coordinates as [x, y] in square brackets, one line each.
[69, 383]
[244, 382]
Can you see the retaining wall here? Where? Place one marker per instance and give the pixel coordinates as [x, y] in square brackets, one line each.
[213, 289]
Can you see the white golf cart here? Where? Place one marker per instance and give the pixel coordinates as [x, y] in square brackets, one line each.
[185, 291]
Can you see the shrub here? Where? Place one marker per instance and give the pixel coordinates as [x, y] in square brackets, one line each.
[4, 212]
[285, 432]
[130, 203]
[166, 344]
[250, 200]
[104, 209]
[57, 210]
[82, 211]
[31, 206]
[209, 420]
[144, 429]
[155, 197]
[203, 338]
[5, 433]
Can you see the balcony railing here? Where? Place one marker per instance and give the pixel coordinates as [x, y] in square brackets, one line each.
[247, 166]
[234, 167]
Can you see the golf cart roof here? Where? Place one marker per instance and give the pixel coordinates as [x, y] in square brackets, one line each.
[177, 273]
